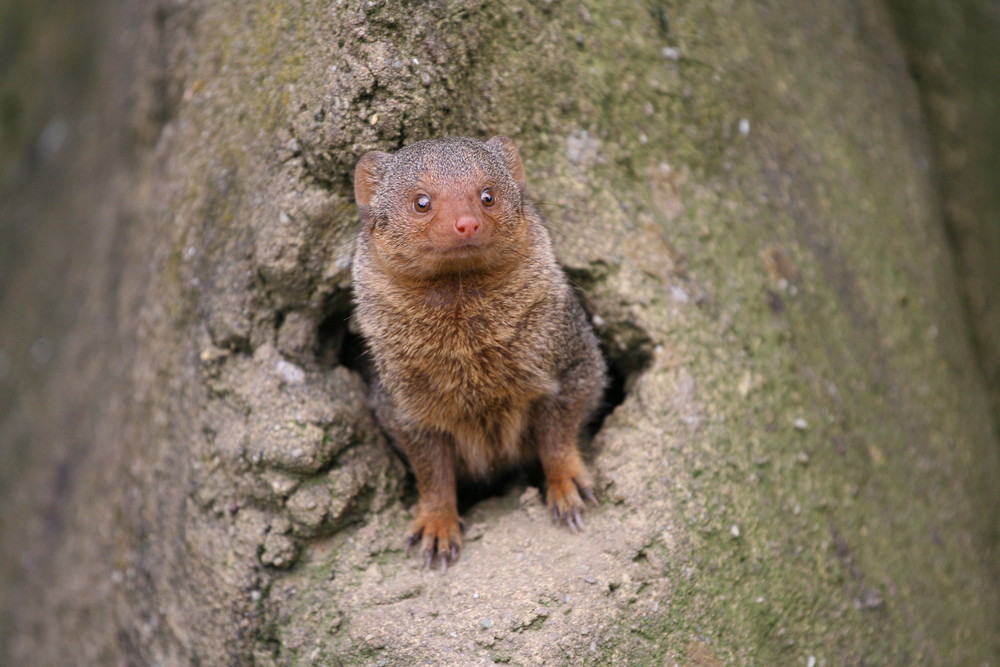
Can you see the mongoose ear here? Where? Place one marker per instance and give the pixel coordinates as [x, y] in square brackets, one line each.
[506, 149]
[367, 176]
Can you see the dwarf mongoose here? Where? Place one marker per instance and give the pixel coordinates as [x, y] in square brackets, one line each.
[483, 355]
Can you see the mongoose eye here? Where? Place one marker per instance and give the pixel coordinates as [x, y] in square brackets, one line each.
[422, 204]
[486, 196]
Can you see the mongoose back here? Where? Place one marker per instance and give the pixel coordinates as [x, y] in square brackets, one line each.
[483, 356]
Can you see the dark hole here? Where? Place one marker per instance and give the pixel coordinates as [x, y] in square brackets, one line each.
[628, 351]
[353, 354]
[472, 492]
[337, 343]
[624, 366]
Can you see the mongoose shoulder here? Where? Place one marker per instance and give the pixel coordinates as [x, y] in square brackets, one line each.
[483, 356]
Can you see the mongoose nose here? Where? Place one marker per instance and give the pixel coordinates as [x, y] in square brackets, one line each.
[467, 226]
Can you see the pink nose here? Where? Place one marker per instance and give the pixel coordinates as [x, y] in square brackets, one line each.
[467, 226]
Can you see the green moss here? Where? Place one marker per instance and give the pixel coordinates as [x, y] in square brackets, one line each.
[829, 349]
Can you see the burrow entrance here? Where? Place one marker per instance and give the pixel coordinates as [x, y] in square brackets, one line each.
[627, 349]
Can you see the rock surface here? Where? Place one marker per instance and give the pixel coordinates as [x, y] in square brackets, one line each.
[798, 464]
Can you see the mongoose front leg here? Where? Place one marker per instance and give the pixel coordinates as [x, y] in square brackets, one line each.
[437, 530]
[567, 480]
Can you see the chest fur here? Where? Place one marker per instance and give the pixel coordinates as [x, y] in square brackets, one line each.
[466, 360]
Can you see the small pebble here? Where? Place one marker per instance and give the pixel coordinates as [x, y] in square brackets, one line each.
[528, 496]
[800, 424]
[678, 294]
[292, 373]
[486, 623]
[744, 126]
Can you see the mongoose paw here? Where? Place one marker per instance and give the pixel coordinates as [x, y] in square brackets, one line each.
[437, 538]
[565, 499]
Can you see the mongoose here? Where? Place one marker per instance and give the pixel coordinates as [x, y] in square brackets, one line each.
[483, 355]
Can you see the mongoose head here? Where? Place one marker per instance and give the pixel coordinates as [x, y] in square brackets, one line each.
[443, 206]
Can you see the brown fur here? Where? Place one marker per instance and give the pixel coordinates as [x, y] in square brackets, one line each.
[483, 356]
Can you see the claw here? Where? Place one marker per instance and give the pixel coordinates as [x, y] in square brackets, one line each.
[411, 542]
[567, 503]
[435, 540]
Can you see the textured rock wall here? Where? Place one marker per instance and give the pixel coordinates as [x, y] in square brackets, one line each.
[800, 456]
